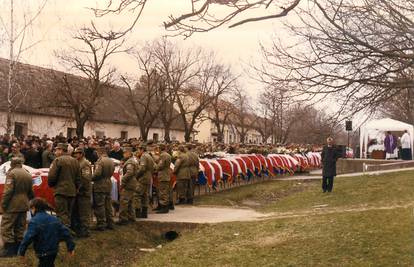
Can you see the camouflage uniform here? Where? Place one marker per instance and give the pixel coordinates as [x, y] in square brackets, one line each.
[182, 172]
[145, 170]
[128, 190]
[163, 168]
[17, 193]
[83, 199]
[64, 177]
[102, 187]
[194, 166]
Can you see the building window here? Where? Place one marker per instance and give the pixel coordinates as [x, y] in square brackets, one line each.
[124, 135]
[70, 132]
[99, 134]
[155, 137]
[20, 129]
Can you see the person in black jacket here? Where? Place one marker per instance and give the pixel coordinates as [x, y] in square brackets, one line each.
[329, 157]
[116, 152]
[90, 152]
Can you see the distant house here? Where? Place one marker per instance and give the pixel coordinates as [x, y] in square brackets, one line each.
[35, 115]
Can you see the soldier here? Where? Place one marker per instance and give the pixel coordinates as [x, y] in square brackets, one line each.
[145, 170]
[164, 176]
[17, 193]
[64, 178]
[83, 198]
[102, 187]
[128, 189]
[182, 172]
[194, 166]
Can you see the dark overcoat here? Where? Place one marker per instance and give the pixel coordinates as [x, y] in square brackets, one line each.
[329, 157]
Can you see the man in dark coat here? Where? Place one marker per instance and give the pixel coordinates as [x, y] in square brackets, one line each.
[90, 152]
[116, 152]
[329, 157]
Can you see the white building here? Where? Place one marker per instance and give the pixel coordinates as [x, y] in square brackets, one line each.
[112, 119]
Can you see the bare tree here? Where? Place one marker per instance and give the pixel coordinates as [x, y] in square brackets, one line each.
[351, 51]
[311, 126]
[203, 15]
[15, 31]
[146, 97]
[92, 62]
[210, 83]
[179, 68]
[276, 103]
[242, 117]
[400, 106]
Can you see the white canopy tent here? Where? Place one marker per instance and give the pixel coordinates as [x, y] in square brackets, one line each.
[382, 125]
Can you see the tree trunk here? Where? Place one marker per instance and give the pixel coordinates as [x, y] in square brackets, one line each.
[9, 121]
[11, 73]
[187, 135]
[220, 135]
[144, 133]
[80, 127]
[167, 137]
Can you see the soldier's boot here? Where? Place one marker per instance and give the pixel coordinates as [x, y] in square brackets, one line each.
[98, 228]
[8, 250]
[122, 222]
[171, 206]
[157, 208]
[144, 213]
[163, 209]
[110, 227]
[138, 213]
[16, 249]
[190, 201]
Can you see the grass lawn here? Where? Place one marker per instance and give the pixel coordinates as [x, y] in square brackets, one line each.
[372, 237]
[119, 247]
[366, 221]
[281, 196]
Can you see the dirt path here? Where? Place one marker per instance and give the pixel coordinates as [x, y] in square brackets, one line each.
[202, 214]
[208, 215]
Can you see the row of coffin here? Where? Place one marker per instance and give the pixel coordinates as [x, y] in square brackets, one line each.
[227, 169]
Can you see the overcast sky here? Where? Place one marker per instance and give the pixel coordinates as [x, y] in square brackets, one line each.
[60, 18]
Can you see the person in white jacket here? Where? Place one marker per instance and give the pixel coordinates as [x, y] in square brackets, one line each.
[406, 146]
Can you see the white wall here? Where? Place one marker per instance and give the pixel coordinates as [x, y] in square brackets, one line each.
[52, 126]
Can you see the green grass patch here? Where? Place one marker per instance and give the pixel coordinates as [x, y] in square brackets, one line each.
[282, 196]
[371, 238]
[119, 247]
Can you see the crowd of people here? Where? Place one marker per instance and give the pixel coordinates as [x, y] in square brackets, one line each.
[76, 174]
[38, 151]
[81, 169]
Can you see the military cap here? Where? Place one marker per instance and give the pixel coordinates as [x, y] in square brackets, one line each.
[181, 148]
[101, 150]
[63, 146]
[142, 146]
[162, 146]
[16, 161]
[79, 150]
